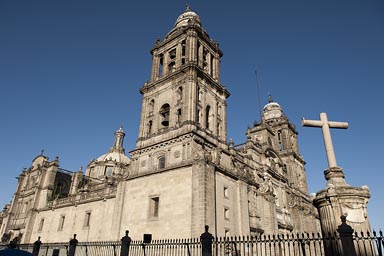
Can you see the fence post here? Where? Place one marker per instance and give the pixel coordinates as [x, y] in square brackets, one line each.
[36, 247]
[378, 240]
[72, 246]
[346, 236]
[125, 243]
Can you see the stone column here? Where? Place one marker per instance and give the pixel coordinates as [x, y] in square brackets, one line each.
[155, 66]
[200, 53]
[192, 45]
[165, 63]
[178, 55]
[209, 71]
[216, 66]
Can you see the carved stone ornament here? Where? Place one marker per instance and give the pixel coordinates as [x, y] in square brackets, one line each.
[177, 154]
[355, 213]
[264, 187]
[291, 201]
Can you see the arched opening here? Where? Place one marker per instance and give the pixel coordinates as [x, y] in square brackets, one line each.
[172, 61]
[160, 70]
[164, 113]
[207, 117]
[179, 93]
[183, 51]
[151, 107]
[179, 115]
[149, 127]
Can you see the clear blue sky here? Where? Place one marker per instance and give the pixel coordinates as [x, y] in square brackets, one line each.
[70, 73]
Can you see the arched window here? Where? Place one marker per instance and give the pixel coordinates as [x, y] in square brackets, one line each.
[161, 162]
[164, 113]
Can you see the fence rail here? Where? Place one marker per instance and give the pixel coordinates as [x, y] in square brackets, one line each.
[367, 244]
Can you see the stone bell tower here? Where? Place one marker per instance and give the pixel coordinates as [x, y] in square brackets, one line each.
[183, 119]
[184, 91]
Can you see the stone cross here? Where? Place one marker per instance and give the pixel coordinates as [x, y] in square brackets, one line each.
[325, 125]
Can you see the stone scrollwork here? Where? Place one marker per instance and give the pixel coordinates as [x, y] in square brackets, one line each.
[291, 201]
[266, 186]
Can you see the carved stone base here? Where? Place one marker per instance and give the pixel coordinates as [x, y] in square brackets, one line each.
[340, 199]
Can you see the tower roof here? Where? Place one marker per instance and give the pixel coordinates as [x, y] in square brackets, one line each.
[272, 110]
[187, 16]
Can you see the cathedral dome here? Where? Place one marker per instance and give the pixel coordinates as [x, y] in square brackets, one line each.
[272, 110]
[114, 156]
[187, 16]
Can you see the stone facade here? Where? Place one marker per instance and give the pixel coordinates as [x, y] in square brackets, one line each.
[183, 173]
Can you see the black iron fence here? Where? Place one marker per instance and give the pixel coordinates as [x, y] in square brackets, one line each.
[367, 244]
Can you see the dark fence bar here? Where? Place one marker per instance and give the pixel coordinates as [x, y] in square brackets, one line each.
[367, 244]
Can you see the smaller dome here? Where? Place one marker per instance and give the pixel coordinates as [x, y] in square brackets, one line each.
[185, 17]
[114, 156]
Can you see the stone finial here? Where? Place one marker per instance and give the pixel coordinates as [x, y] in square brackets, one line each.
[270, 98]
[188, 8]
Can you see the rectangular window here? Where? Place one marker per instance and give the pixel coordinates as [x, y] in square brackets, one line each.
[87, 220]
[162, 162]
[154, 207]
[226, 192]
[61, 223]
[41, 225]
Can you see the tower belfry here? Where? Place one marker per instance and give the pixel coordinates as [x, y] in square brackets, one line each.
[184, 93]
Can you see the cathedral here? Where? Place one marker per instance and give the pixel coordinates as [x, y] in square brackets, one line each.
[184, 172]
